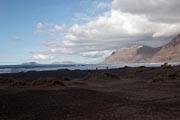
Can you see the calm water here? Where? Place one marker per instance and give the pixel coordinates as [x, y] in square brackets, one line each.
[25, 68]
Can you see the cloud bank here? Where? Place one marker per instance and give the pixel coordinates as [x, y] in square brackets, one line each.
[155, 10]
[39, 56]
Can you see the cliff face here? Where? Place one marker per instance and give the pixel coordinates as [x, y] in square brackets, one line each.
[123, 55]
[136, 54]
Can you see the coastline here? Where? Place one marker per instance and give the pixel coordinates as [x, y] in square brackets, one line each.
[53, 67]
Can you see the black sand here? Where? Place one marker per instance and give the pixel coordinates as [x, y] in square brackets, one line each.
[117, 94]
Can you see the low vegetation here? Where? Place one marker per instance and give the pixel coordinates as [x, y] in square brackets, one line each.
[171, 75]
[142, 67]
[174, 75]
[101, 76]
[13, 82]
[159, 78]
[48, 81]
[126, 67]
[166, 66]
[111, 75]
[67, 79]
[19, 83]
[6, 80]
[129, 76]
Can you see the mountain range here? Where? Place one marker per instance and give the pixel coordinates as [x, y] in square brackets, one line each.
[169, 52]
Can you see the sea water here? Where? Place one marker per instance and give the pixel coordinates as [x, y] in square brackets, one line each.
[47, 67]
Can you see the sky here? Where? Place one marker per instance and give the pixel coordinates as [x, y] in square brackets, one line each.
[82, 31]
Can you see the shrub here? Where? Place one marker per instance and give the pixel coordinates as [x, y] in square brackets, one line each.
[4, 80]
[166, 65]
[174, 75]
[13, 81]
[58, 82]
[130, 76]
[19, 83]
[67, 79]
[67, 70]
[142, 67]
[111, 75]
[47, 81]
[152, 68]
[126, 67]
[101, 76]
[159, 78]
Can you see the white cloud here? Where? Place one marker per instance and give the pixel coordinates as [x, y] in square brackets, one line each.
[39, 25]
[102, 5]
[49, 29]
[129, 22]
[39, 56]
[96, 54]
[156, 10]
[166, 30]
[82, 17]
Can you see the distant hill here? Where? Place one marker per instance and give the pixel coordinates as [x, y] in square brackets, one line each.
[170, 52]
[30, 63]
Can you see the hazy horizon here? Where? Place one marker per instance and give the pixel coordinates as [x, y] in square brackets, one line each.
[82, 31]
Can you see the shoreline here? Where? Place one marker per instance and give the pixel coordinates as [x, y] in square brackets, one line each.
[26, 68]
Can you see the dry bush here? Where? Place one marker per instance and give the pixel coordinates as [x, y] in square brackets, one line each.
[13, 81]
[142, 67]
[166, 66]
[126, 67]
[101, 76]
[6, 80]
[174, 75]
[159, 78]
[47, 81]
[67, 79]
[19, 83]
[130, 76]
[112, 75]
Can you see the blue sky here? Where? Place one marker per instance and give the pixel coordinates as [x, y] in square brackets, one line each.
[83, 31]
[20, 17]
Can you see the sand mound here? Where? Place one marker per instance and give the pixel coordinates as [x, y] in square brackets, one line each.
[101, 77]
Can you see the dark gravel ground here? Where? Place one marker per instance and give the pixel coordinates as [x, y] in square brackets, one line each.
[131, 98]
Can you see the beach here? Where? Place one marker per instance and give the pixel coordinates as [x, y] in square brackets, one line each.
[129, 93]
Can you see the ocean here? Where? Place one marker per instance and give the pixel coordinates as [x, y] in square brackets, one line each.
[46, 67]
